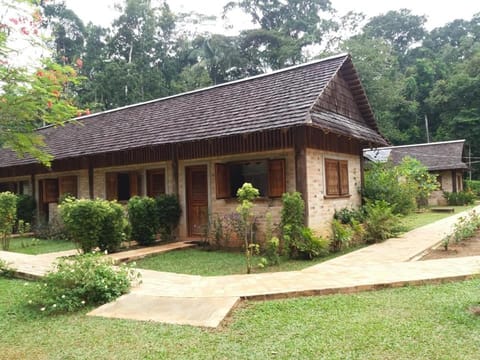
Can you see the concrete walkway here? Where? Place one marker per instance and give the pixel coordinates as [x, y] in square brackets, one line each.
[205, 301]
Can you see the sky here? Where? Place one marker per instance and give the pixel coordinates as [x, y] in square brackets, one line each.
[438, 12]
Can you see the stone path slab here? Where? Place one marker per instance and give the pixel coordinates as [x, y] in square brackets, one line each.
[204, 312]
[136, 254]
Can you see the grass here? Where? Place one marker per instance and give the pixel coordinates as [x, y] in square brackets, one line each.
[428, 322]
[34, 246]
[213, 263]
[415, 220]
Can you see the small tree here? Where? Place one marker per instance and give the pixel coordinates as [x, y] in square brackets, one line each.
[420, 179]
[245, 195]
[8, 211]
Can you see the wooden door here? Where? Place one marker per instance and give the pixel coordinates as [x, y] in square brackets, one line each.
[197, 199]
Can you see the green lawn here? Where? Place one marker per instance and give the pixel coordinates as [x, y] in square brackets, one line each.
[428, 322]
[213, 263]
[39, 246]
[415, 220]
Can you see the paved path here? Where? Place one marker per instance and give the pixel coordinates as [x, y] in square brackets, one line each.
[205, 301]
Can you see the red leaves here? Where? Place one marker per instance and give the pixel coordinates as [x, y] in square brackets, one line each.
[79, 63]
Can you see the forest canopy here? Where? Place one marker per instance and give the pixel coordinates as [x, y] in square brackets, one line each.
[410, 73]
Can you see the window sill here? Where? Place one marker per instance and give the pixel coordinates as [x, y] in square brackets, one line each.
[337, 196]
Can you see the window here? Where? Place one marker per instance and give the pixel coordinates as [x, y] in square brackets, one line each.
[122, 186]
[268, 176]
[336, 175]
[155, 182]
[52, 189]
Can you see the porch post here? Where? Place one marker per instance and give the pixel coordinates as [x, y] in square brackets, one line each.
[175, 168]
[91, 192]
[454, 181]
[300, 146]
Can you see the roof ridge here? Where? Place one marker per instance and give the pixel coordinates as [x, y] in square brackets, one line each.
[422, 144]
[208, 88]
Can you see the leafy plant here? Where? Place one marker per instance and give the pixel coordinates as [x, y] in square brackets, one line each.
[143, 216]
[168, 215]
[85, 280]
[8, 212]
[26, 207]
[245, 195]
[348, 216]
[473, 186]
[272, 251]
[6, 270]
[459, 198]
[380, 222]
[342, 235]
[311, 245]
[93, 223]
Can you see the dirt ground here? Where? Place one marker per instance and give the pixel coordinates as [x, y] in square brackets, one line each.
[469, 247]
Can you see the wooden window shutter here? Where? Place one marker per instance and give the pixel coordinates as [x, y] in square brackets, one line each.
[134, 184]
[155, 182]
[344, 189]
[111, 186]
[67, 185]
[276, 178]
[222, 181]
[332, 177]
[50, 190]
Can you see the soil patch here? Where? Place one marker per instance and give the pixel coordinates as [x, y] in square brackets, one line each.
[468, 247]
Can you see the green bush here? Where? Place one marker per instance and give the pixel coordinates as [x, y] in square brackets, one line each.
[8, 212]
[5, 270]
[380, 222]
[349, 216]
[473, 186]
[26, 207]
[383, 182]
[168, 215]
[459, 198]
[312, 246]
[92, 223]
[272, 251]
[342, 235]
[143, 216]
[85, 280]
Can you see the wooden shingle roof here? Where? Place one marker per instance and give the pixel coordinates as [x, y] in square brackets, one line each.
[280, 99]
[436, 156]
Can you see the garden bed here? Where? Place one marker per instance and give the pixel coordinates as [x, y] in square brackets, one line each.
[468, 247]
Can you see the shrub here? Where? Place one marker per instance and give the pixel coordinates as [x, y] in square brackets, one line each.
[272, 251]
[168, 215]
[473, 186]
[85, 280]
[380, 222]
[349, 216]
[93, 223]
[312, 246]
[342, 235]
[5, 269]
[464, 228]
[142, 213]
[26, 207]
[459, 198]
[8, 212]
[220, 230]
[382, 183]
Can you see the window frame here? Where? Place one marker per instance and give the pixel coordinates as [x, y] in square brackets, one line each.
[275, 177]
[341, 176]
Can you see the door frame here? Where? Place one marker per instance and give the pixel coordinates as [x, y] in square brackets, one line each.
[187, 170]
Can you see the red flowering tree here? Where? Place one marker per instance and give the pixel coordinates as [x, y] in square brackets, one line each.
[30, 98]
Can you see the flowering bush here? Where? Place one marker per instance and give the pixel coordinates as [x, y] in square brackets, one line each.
[82, 281]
